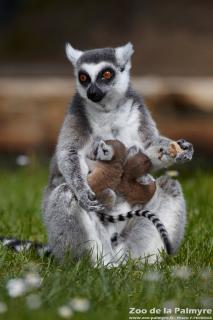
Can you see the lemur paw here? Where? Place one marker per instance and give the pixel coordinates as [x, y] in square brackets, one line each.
[187, 153]
[176, 152]
[88, 202]
[94, 147]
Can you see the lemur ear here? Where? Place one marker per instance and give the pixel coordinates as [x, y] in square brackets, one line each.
[72, 54]
[124, 53]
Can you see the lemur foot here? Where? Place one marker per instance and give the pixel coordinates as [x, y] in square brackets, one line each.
[146, 179]
[170, 186]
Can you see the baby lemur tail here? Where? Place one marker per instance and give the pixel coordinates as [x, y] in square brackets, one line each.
[146, 214]
[25, 245]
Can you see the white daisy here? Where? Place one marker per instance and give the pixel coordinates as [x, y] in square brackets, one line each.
[172, 173]
[16, 287]
[152, 276]
[65, 311]
[182, 272]
[33, 280]
[80, 304]
[22, 160]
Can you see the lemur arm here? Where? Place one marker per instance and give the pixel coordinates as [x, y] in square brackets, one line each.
[72, 139]
[157, 147]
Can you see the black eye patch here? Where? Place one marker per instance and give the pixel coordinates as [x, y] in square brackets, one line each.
[106, 75]
[84, 78]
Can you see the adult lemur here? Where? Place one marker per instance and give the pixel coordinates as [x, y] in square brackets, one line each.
[106, 106]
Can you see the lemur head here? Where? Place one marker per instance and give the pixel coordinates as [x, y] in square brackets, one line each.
[101, 74]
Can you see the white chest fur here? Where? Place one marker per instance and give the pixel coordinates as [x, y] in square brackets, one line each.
[121, 123]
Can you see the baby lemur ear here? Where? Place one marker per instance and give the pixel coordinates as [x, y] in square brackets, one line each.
[72, 54]
[124, 53]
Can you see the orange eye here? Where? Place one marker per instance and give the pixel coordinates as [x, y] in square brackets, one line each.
[83, 77]
[107, 75]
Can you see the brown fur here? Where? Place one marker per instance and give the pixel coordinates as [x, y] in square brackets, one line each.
[120, 176]
[134, 192]
[107, 174]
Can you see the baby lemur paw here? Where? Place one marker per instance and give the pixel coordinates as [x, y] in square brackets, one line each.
[146, 179]
[108, 198]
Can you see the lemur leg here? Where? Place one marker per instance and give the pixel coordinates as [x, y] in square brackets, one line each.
[141, 238]
[72, 230]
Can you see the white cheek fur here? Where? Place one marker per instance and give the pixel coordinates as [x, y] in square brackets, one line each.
[122, 82]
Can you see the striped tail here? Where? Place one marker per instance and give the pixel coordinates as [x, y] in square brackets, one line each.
[25, 245]
[141, 213]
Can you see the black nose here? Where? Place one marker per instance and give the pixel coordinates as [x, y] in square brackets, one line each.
[94, 93]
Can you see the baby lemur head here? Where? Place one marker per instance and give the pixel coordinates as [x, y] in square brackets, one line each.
[101, 74]
[110, 151]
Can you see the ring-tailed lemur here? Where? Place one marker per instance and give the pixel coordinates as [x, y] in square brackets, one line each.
[105, 105]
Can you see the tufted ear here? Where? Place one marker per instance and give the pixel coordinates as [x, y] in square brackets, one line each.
[124, 53]
[72, 54]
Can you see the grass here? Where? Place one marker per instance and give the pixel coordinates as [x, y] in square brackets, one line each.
[181, 281]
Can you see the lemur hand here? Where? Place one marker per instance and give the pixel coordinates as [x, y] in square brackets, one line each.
[168, 152]
[88, 202]
[178, 151]
[187, 151]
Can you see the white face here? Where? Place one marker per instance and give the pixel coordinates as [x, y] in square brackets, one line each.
[102, 83]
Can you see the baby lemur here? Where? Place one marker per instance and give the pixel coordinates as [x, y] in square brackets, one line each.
[117, 169]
